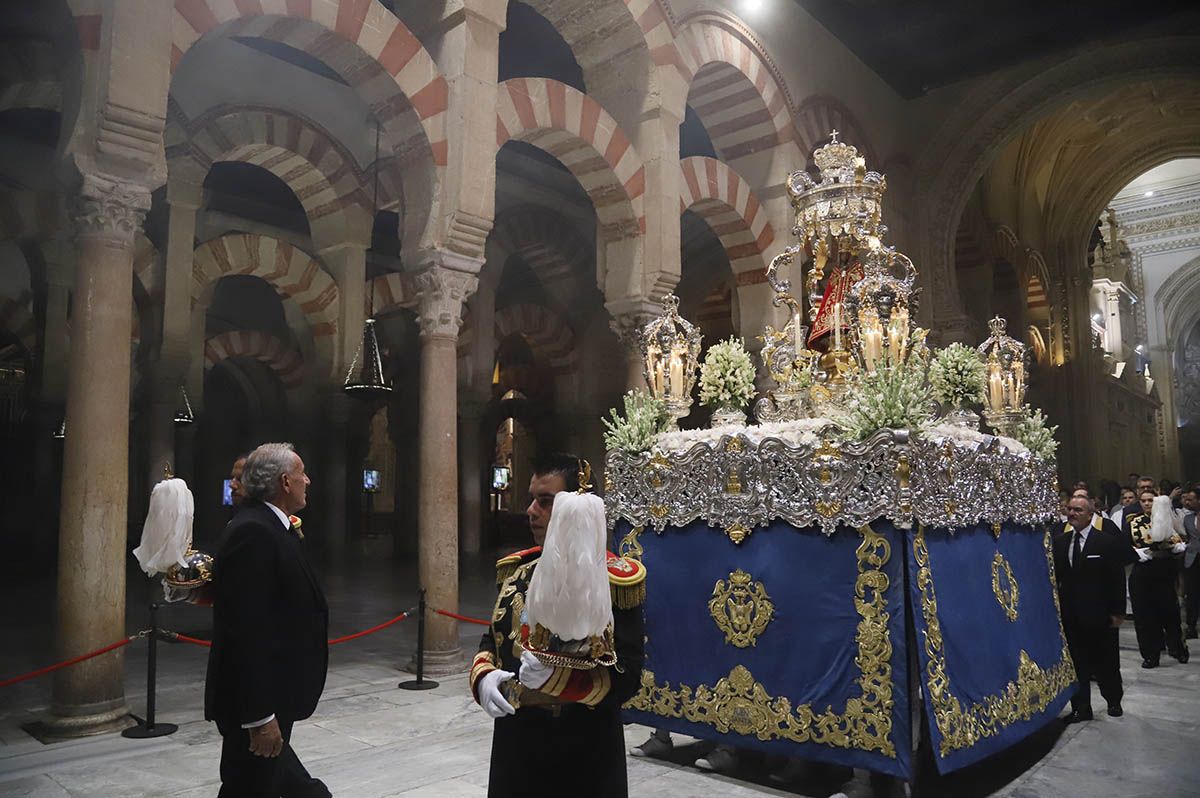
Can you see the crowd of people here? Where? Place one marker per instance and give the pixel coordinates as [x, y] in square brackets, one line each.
[1124, 551]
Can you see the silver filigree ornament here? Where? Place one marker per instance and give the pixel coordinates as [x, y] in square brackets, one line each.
[736, 485]
[670, 357]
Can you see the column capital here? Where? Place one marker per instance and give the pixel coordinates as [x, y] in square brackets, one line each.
[629, 317]
[110, 207]
[441, 287]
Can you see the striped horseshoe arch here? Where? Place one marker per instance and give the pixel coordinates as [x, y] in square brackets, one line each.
[361, 40]
[284, 360]
[715, 192]
[293, 274]
[573, 128]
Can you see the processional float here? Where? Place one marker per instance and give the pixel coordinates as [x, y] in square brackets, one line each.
[818, 574]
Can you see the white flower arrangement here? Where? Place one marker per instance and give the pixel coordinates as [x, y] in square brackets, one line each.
[727, 376]
[896, 396]
[1033, 432]
[957, 376]
[971, 438]
[801, 432]
[645, 417]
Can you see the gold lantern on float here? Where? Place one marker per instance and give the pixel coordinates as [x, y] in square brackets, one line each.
[670, 357]
[880, 307]
[1007, 370]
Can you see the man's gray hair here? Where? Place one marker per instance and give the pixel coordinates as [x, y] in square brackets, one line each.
[264, 467]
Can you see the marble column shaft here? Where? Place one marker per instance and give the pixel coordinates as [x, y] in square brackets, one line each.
[441, 292]
[90, 697]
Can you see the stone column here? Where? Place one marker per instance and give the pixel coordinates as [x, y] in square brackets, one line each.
[628, 320]
[347, 262]
[472, 473]
[170, 368]
[90, 697]
[440, 287]
[60, 272]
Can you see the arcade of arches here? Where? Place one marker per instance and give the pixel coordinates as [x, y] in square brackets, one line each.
[211, 197]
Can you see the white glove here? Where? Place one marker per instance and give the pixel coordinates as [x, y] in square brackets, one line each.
[533, 673]
[1143, 555]
[490, 697]
[1179, 548]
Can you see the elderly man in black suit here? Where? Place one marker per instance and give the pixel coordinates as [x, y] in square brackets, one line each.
[266, 668]
[1090, 568]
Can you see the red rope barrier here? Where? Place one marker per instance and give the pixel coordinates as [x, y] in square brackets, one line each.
[458, 617]
[195, 641]
[372, 630]
[72, 661]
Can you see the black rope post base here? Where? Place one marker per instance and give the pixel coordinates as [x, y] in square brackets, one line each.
[148, 728]
[420, 683]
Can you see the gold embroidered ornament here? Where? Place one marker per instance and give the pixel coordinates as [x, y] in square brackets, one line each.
[1009, 597]
[741, 609]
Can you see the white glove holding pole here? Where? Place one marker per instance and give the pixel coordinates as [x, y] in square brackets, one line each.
[1179, 548]
[490, 697]
[533, 673]
[1143, 555]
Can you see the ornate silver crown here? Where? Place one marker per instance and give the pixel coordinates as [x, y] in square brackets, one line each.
[844, 203]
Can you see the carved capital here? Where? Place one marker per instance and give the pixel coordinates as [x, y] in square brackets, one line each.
[440, 294]
[628, 320]
[110, 207]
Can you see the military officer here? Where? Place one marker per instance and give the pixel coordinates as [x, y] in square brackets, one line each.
[566, 734]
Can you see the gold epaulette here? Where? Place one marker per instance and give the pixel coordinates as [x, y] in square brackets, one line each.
[506, 566]
[627, 577]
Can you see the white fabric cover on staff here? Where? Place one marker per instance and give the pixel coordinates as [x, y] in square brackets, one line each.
[167, 533]
[569, 593]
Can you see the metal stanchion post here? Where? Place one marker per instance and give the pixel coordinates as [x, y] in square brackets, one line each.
[420, 683]
[148, 728]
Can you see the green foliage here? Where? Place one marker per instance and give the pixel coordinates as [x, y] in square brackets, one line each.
[957, 376]
[896, 396]
[727, 376]
[645, 417]
[1035, 435]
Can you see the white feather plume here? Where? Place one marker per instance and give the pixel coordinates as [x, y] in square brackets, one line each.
[1163, 521]
[167, 533]
[569, 593]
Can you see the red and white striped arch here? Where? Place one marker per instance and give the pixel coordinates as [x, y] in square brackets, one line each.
[323, 175]
[544, 240]
[716, 193]
[360, 39]
[743, 107]
[573, 128]
[290, 271]
[285, 361]
[821, 114]
[548, 335]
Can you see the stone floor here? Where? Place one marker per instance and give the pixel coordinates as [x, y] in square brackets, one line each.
[370, 740]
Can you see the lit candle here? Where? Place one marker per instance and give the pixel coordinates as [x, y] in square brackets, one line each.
[996, 389]
[796, 333]
[676, 375]
[872, 346]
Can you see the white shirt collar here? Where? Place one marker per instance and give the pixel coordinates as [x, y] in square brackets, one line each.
[281, 515]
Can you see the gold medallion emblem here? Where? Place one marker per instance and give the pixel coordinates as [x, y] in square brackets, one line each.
[741, 608]
[1007, 597]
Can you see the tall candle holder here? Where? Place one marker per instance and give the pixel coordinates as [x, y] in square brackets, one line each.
[880, 306]
[1007, 368]
[670, 357]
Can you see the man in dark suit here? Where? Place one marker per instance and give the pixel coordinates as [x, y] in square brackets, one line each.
[266, 667]
[1090, 568]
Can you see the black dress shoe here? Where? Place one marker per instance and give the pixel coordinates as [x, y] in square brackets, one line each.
[1183, 656]
[1115, 711]
[1077, 717]
[1149, 663]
